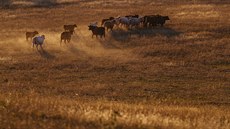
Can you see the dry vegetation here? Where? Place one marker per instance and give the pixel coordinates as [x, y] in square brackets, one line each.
[172, 77]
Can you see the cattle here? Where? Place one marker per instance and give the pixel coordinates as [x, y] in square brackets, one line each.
[154, 20]
[134, 22]
[124, 21]
[70, 27]
[97, 30]
[162, 20]
[66, 36]
[104, 20]
[109, 24]
[148, 19]
[38, 40]
[31, 35]
[117, 21]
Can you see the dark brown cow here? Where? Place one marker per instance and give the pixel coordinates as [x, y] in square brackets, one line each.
[97, 31]
[109, 24]
[66, 36]
[70, 27]
[161, 20]
[154, 20]
[31, 35]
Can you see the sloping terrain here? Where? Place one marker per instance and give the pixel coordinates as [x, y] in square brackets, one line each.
[176, 76]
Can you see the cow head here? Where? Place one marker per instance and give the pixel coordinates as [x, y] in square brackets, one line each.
[75, 25]
[35, 32]
[43, 36]
[166, 17]
[91, 27]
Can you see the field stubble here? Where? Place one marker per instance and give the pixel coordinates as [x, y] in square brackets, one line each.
[171, 77]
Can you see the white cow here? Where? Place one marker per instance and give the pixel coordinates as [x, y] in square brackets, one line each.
[124, 21]
[38, 40]
[135, 21]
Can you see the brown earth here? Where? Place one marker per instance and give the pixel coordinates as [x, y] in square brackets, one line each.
[177, 76]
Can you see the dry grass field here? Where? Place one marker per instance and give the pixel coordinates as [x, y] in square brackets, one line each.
[171, 77]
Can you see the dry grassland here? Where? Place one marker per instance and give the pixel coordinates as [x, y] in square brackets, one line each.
[177, 76]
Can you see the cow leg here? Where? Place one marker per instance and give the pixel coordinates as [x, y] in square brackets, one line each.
[41, 47]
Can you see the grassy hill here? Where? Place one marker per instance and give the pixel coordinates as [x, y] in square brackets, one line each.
[176, 76]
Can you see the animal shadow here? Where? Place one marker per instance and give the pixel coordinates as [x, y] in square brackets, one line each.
[126, 35]
[44, 54]
[74, 49]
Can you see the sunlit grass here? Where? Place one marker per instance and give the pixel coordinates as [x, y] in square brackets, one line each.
[171, 77]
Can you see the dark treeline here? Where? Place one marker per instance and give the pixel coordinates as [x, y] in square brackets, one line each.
[9, 3]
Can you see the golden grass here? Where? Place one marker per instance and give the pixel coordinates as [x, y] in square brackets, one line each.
[171, 77]
[78, 113]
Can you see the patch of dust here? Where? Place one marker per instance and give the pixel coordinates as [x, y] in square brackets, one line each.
[15, 45]
[82, 44]
[96, 47]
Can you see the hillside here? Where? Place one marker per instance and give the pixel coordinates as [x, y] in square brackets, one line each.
[176, 76]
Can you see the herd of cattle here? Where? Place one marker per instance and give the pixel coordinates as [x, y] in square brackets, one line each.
[129, 21]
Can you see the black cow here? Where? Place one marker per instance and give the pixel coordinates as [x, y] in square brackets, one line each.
[154, 20]
[97, 31]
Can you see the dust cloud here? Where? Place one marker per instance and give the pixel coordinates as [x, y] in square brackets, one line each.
[82, 44]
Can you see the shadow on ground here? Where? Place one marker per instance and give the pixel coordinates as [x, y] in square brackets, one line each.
[45, 54]
[124, 35]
